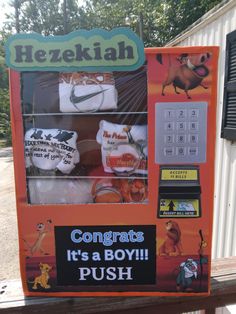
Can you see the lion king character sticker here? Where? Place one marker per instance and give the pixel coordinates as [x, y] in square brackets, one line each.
[188, 271]
[172, 245]
[185, 72]
[36, 247]
[43, 278]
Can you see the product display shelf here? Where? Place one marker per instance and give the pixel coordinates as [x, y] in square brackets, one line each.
[43, 112]
[84, 113]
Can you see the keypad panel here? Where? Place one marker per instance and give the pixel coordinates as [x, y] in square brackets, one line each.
[180, 132]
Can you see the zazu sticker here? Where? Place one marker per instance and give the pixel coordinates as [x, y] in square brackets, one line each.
[179, 208]
[106, 255]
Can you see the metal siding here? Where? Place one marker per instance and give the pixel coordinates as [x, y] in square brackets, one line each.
[224, 225]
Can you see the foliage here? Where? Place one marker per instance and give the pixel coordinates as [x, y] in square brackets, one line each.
[35, 16]
[5, 126]
[134, 14]
[5, 129]
[43, 16]
[158, 21]
[3, 74]
[174, 16]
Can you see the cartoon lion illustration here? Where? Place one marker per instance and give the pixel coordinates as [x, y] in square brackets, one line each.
[42, 279]
[172, 245]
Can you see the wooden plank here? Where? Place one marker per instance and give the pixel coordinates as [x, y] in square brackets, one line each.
[223, 292]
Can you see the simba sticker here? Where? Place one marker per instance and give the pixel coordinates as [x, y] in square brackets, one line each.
[179, 208]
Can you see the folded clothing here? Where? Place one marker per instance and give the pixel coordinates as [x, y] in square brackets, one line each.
[124, 148]
[59, 191]
[87, 92]
[50, 149]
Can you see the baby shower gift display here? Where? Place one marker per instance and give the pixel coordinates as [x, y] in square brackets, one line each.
[87, 92]
[123, 147]
[114, 164]
[50, 149]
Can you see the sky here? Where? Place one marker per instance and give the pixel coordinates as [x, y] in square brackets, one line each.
[4, 8]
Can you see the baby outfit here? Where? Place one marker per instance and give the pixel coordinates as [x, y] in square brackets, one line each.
[87, 92]
[50, 149]
[123, 148]
[60, 191]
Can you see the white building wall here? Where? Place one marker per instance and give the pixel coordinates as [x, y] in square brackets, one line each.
[212, 31]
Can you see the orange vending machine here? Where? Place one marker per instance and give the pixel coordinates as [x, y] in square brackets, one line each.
[114, 164]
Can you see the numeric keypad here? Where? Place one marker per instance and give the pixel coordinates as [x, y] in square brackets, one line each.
[180, 132]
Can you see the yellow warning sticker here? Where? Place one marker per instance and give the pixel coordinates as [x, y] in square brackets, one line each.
[179, 208]
[179, 174]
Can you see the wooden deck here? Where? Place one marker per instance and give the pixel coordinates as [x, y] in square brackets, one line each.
[223, 292]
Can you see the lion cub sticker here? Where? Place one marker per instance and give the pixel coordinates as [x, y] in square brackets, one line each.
[42, 279]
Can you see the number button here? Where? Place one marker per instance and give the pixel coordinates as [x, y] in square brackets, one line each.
[169, 126]
[193, 114]
[181, 126]
[181, 151]
[193, 126]
[193, 138]
[181, 114]
[169, 114]
[169, 139]
[181, 139]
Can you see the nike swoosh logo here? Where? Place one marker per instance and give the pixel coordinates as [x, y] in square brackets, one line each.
[77, 99]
